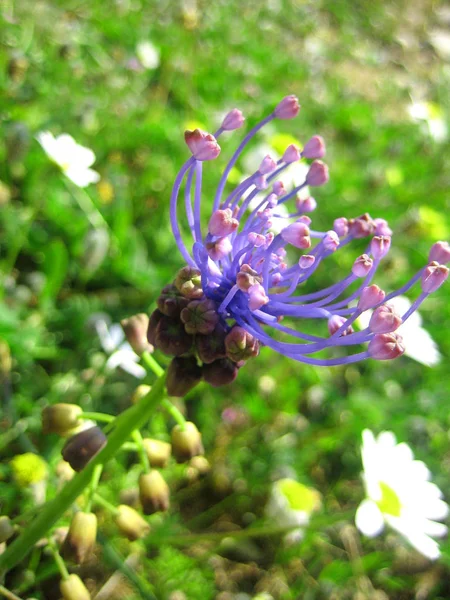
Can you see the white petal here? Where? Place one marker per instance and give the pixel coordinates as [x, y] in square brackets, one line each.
[436, 509]
[117, 334]
[387, 440]
[425, 545]
[48, 143]
[369, 519]
[80, 176]
[104, 336]
[434, 529]
[134, 369]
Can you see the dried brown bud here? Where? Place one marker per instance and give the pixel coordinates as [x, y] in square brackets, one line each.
[211, 347]
[158, 452]
[80, 540]
[155, 318]
[83, 446]
[153, 492]
[220, 372]
[171, 302]
[200, 316]
[61, 418]
[182, 375]
[189, 282]
[135, 329]
[171, 337]
[130, 523]
[186, 442]
[73, 588]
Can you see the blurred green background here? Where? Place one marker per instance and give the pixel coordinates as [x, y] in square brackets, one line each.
[374, 80]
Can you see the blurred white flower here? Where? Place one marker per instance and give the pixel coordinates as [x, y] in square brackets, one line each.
[148, 55]
[121, 354]
[418, 342]
[73, 159]
[400, 494]
[431, 114]
[291, 504]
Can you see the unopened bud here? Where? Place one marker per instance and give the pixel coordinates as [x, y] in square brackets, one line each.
[72, 588]
[83, 446]
[257, 296]
[288, 108]
[220, 248]
[335, 322]
[314, 148]
[384, 319]
[433, 277]
[380, 245]
[6, 529]
[139, 393]
[158, 452]
[331, 241]
[61, 418]
[382, 227]
[305, 205]
[317, 174]
[130, 523]
[297, 234]
[155, 318]
[220, 372]
[186, 442]
[183, 374]
[370, 297]
[201, 464]
[200, 316]
[362, 265]
[171, 337]
[278, 188]
[306, 261]
[80, 539]
[211, 347]
[291, 154]
[135, 329]
[171, 302]
[362, 226]
[340, 226]
[241, 345]
[267, 165]
[189, 283]
[203, 145]
[233, 120]
[386, 346]
[440, 253]
[153, 492]
[222, 223]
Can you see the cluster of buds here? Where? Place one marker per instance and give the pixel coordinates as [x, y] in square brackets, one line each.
[187, 326]
[237, 286]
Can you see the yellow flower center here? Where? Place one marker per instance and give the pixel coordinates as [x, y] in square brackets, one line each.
[389, 502]
[299, 496]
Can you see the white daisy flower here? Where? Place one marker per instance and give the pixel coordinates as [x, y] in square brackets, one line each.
[418, 342]
[399, 494]
[148, 55]
[291, 504]
[73, 159]
[121, 353]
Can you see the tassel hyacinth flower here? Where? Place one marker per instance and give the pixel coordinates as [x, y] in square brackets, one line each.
[237, 286]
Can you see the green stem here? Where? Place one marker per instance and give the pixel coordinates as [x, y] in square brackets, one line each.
[7, 594]
[84, 201]
[109, 507]
[133, 418]
[97, 416]
[137, 437]
[174, 412]
[151, 363]
[58, 560]
[94, 485]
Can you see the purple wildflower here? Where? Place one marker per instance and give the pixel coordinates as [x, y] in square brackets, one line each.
[242, 266]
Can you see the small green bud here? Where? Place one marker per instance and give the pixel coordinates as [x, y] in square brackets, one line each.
[130, 523]
[187, 442]
[189, 282]
[140, 392]
[158, 452]
[200, 316]
[153, 492]
[80, 539]
[6, 529]
[83, 446]
[135, 329]
[73, 588]
[60, 418]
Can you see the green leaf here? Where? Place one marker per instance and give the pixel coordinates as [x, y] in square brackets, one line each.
[55, 268]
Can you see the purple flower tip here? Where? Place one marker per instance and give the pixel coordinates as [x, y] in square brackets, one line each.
[233, 120]
[384, 319]
[370, 297]
[314, 148]
[288, 108]
[317, 174]
[291, 154]
[380, 246]
[222, 223]
[386, 346]
[267, 165]
[440, 252]
[203, 145]
[297, 234]
[433, 277]
[305, 205]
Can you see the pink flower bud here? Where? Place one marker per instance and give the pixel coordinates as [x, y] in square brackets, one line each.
[288, 108]
[340, 226]
[219, 249]
[306, 261]
[331, 241]
[272, 200]
[335, 322]
[386, 346]
[362, 265]
[304, 219]
[269, 239]
[440, 252]
[291, 154]
[370, 297]
[279, 189]
[260, 182]
[257, 239]
[297, 234]
[384, 319]
[233, 120]
[276, 278]
[246, 278]
[281, 252]
[305, 205]
[314, 148]
[382, 227]
[317, 174]
[433, 277]
[203, 145]
[380, 245]
[257, 296]
[267, 165]
[362, 226]
[222, 223]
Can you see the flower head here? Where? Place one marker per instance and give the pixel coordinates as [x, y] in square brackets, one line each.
[251, 259]
[73, 159]
[399, 494]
